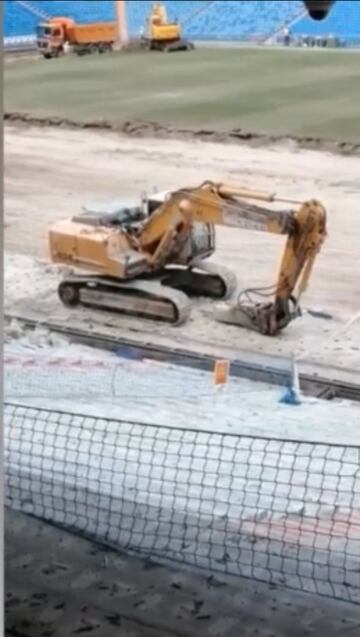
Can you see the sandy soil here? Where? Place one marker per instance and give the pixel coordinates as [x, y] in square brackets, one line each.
[59, 583]
[166, 449]
[51, 173]
[75, 379]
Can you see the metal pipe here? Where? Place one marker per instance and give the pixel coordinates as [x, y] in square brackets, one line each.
[237, 191]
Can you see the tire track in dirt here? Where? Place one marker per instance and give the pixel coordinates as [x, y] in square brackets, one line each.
[143, 129]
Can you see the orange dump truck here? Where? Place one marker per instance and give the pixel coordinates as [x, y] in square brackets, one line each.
[53, 35]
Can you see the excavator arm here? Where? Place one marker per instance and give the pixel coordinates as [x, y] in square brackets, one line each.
[304, 224]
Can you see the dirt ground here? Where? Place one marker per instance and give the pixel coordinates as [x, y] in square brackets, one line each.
[50, 173]
[58, 584]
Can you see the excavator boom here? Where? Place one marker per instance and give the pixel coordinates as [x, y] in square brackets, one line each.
[303, 244]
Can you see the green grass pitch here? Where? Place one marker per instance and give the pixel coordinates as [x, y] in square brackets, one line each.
[279, 92]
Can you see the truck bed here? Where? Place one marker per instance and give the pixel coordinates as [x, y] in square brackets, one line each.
[92, 33]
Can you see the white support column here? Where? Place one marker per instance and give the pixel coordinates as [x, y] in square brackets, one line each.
[122, 31]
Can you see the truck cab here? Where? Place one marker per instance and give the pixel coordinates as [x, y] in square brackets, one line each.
[52, 35]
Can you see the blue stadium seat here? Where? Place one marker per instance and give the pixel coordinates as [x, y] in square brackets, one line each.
[181, 10]
[242, 20]
[20, 21]
[219, 20]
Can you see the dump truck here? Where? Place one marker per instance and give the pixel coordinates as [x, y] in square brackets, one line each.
[53, 36]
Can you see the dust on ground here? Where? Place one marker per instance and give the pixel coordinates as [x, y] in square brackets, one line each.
[50, 173]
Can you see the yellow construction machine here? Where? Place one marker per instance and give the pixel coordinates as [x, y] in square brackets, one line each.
[146, 260]
[162, 35]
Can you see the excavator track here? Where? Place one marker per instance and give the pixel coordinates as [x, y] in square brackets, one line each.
[146, 298]
[162, 298]
[202, 279]
[179, 45]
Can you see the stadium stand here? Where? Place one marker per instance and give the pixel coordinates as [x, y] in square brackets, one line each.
[20, 19]
[220, 20]
[242, 20]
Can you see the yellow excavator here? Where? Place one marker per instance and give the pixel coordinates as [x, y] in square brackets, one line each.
[147, 260]
[162, 35]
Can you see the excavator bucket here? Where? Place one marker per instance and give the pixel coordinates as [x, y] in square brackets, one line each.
[262, 317]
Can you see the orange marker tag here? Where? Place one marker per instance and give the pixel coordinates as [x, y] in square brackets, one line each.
[221, 372]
